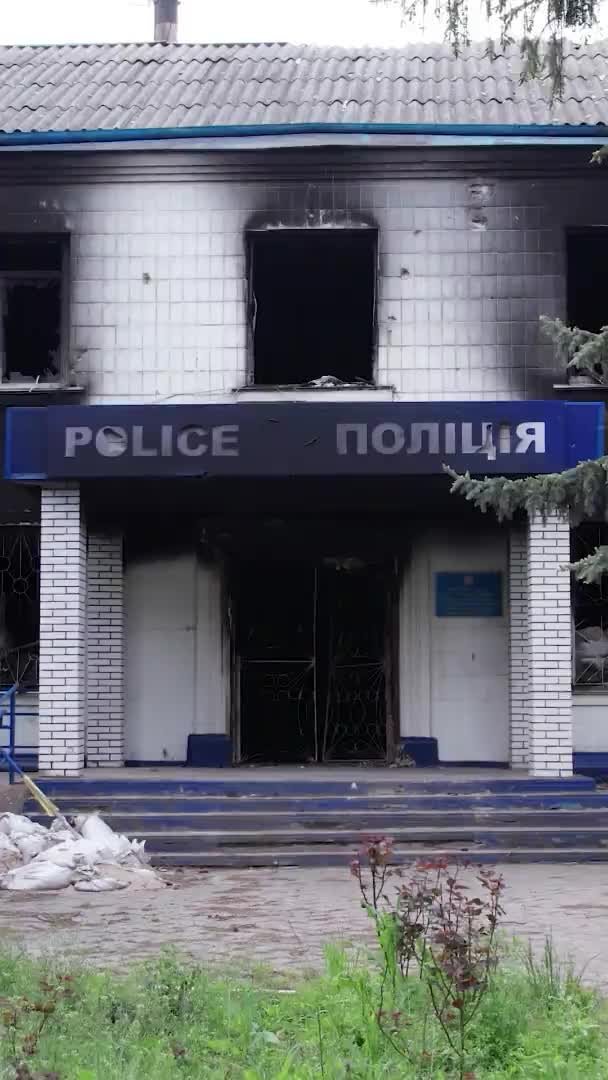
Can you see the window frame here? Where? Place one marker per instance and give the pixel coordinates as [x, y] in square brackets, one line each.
[250, 235]
[62, 275]
[600, 686]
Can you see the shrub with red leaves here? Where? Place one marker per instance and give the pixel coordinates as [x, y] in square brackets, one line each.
[441, 925]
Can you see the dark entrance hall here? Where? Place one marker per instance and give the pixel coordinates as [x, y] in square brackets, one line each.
[313, 660]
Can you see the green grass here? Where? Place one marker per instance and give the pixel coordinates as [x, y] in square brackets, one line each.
[170, 1019]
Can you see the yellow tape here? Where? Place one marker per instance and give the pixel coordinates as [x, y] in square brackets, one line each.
[43, 801]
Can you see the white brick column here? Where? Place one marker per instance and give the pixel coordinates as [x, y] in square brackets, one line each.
[104, 739]
[549, 647]
[62, 631]
[518, 644]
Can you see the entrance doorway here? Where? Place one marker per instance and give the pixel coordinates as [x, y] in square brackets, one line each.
[313, 661]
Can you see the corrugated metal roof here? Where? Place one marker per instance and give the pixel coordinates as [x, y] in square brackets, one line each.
[116, 87]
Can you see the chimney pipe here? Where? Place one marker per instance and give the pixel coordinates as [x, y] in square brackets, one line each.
[165, 20]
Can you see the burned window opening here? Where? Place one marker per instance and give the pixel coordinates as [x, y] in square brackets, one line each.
[31, 272]
[588, 279]
[589, 612]
[312, 306]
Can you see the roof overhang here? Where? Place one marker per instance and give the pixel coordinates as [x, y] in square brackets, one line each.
[270, 136]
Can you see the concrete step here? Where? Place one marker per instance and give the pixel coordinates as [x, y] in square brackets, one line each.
[220, 804]
[253, 821]
[355, 821]
[440, 838]
[271, 857]
[403, 784]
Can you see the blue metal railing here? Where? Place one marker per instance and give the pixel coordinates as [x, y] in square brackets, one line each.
[12, 700]
[7, 723]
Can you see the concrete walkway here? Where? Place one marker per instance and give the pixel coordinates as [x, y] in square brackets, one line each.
[284, 917]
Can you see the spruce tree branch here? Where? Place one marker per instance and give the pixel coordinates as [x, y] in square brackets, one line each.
[592, 567]
[580, 492]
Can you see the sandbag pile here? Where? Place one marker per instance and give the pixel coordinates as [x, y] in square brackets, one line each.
[86, 855]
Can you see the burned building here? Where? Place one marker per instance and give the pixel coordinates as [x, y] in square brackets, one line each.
[254, 298]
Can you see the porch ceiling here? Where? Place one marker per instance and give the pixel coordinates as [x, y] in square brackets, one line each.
[405, 498]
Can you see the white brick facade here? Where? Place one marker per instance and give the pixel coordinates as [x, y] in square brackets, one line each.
[549, 648]
[105, 736]
[63, 569]
[518, 643]
[472, 252]
[458, 304]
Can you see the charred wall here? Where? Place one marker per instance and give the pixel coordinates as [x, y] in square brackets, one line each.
[471, 251]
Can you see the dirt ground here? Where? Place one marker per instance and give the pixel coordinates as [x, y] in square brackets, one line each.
[283, 917]
[11, 798]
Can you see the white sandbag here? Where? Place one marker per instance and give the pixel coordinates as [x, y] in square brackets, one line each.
[142, 877]
[122, 850]
[36, 877]
[58, 854]
[99, 884]
[14, 825]
[90, 854]
[136, 877]
[7, 846]
[72, 852]
[31, 846]
[62, 837]
[93, 828]
[138, 847]
[111, 846]
[61, 829]
[59, 824]
[9, 854]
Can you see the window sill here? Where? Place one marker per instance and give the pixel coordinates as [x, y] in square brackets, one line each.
[591, 690]
[39, 388]
[582, 388]
[313, 393]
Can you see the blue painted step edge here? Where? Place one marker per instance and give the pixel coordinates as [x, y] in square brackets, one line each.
[237, 788]
[592, 764]
[155, 802]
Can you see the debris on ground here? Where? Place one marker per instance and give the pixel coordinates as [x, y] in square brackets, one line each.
[83, 852]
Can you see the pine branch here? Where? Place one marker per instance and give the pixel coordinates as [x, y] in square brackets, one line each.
[593, 566]
[581, 492]
[578, 349]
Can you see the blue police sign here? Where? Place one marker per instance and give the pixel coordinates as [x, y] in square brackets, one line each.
[307, 439]
[468, 595]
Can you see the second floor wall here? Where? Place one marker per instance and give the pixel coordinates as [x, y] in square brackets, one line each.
[425, 272]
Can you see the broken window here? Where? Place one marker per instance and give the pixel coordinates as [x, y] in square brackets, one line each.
[19, 605]
[588, 279]
[589, 612]
[31, 273]
[312, 306]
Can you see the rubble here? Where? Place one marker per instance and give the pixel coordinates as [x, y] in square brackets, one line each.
[85, 854]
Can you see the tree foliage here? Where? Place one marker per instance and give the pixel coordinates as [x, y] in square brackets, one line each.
[579, 350]
[579, 493]
[540, 27]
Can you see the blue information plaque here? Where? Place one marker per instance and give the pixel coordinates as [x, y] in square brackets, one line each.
[468, 595]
